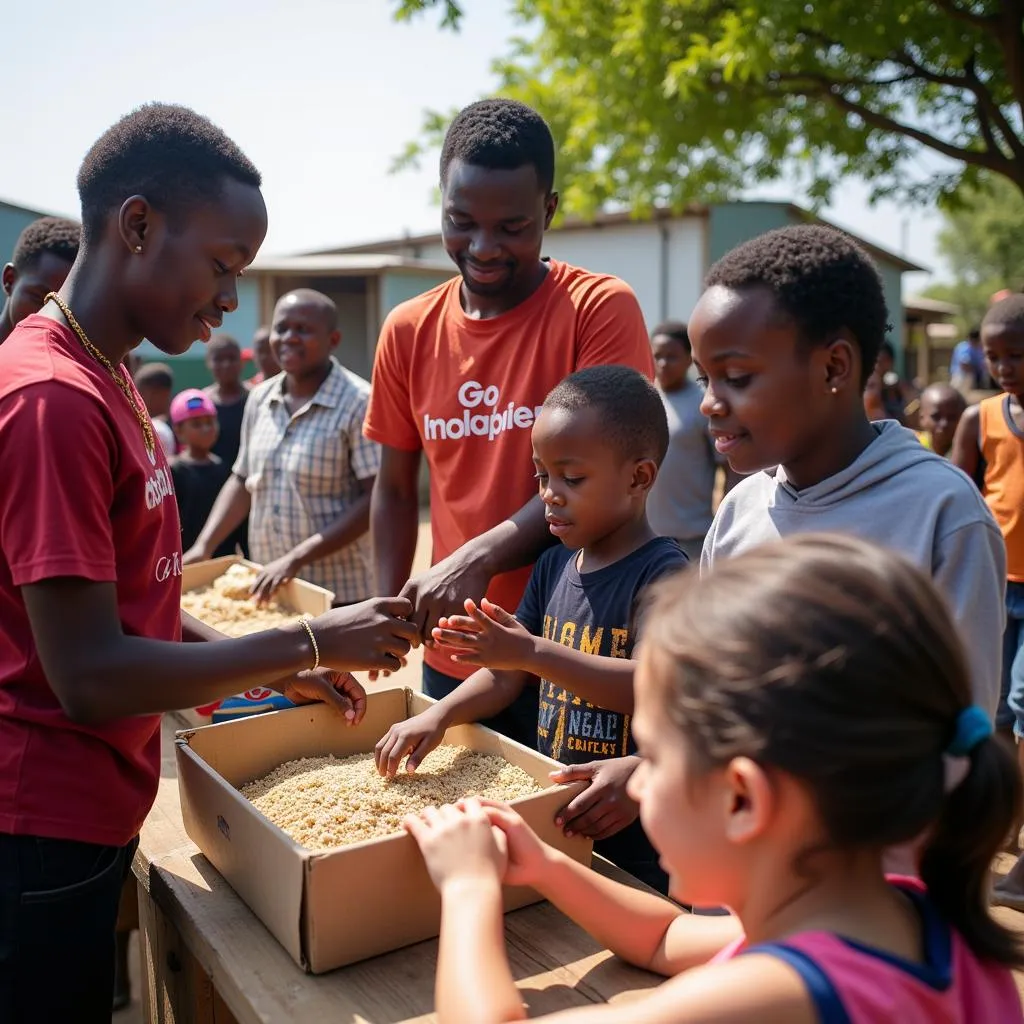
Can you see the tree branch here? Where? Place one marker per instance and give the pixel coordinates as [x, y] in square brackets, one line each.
[1011, 42]
[986, 108]
[987, 22]
[831, 90]
[989, 110]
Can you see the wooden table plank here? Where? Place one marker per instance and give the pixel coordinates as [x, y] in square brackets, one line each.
[193, 919]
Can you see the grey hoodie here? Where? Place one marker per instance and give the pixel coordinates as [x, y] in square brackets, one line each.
[904, 497]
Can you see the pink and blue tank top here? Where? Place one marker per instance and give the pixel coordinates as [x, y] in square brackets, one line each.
[851, 983]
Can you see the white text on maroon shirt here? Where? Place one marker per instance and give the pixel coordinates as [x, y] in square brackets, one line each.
[158, 487]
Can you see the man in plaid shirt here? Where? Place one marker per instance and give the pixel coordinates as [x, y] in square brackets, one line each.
[304, 471]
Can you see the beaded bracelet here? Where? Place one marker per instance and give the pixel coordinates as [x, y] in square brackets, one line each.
[312, 639]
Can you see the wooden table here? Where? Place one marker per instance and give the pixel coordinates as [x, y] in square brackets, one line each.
[206, 958]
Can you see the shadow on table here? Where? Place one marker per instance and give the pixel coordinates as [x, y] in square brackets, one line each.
[557, 967]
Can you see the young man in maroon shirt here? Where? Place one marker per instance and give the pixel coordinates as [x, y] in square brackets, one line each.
[90, 556]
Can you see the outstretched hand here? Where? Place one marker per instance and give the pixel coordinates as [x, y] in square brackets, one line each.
[443, 589]
[272, 577]
[486, 635]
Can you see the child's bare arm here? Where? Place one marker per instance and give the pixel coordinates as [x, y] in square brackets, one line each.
[966, 441]
[748, 988]
[482, 695]
[637, 926]
[489, 635]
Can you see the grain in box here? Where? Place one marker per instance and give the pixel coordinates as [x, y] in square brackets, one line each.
[340, 906]
[296, 596]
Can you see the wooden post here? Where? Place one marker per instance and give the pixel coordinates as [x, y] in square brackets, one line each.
[175, 988]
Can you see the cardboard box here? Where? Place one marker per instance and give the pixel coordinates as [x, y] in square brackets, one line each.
[297, 595]
[334, 908]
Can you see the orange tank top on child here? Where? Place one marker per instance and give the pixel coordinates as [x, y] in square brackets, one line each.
[1002, 447]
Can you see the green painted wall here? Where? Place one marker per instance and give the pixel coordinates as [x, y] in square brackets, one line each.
[730, 224]
[396, 286]
[13, 220]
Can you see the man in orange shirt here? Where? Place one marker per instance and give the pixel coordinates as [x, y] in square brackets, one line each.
[461, 371]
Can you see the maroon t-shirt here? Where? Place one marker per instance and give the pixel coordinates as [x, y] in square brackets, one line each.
[79, 496]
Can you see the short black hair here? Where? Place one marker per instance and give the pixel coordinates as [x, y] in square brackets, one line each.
[154, 375]
[165, 152]
[632, 414]
[501, 135]
[974, 334]
[674, 329]
[820, 279]
[1007, 313]
[55, 235]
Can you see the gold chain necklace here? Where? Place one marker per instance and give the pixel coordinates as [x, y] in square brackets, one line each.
[120, 379]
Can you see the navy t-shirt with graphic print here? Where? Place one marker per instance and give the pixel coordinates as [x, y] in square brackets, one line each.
[594, 612]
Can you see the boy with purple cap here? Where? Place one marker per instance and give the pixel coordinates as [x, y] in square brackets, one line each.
[198, 474]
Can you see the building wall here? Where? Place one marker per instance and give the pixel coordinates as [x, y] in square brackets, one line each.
[661, 261]
[731, 224]
[242, 323]
[13, 220]
[398, 285]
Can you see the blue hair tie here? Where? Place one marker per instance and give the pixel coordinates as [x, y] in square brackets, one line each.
[972, 726]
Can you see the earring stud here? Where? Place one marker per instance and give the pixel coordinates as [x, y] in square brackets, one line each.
[138, 248]
[835, 391]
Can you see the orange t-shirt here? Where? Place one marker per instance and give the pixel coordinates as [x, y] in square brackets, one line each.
[1002, 447]
[467, 392]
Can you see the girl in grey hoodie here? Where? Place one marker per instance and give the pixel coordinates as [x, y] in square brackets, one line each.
[784, 338]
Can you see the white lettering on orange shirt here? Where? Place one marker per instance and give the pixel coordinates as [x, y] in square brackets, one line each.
[489, 423]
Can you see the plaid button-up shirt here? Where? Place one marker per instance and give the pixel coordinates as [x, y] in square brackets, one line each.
[303, 471]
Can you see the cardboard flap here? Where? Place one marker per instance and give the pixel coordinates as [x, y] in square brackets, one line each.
[261, 743]
[263, 865]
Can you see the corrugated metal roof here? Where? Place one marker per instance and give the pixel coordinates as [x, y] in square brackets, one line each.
[923, 305]
[612, 219]
[352, 264]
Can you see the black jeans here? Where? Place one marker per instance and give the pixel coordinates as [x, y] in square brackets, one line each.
[58, 909]
[517, 722]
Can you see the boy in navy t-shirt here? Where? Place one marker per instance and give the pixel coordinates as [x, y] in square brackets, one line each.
[598, 443]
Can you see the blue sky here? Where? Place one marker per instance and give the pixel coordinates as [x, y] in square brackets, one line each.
[320, 94]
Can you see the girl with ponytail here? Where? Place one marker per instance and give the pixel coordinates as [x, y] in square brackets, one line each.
[799, 710]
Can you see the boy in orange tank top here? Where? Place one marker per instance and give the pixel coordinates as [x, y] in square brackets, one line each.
[990, 438]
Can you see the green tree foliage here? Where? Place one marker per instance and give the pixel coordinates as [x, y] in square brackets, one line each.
[665, 101]
[982, 240]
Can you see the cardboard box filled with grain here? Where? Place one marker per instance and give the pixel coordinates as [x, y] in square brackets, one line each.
[289, 808]
[217, 592]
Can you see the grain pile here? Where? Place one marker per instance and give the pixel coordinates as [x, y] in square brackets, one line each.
[327, 802]
[226, 605]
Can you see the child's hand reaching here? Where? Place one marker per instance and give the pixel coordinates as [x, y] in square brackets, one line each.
[459, 843]
[604, 807]
[486, 635]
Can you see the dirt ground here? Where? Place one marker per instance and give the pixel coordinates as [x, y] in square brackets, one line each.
[410, 676]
